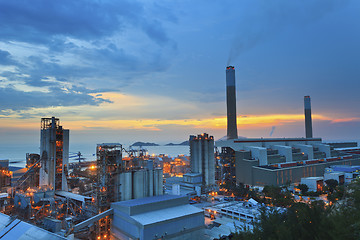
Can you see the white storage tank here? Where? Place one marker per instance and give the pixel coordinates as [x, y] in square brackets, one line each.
[158, 181]
[150, 183]
[126, 185]
[138, 184]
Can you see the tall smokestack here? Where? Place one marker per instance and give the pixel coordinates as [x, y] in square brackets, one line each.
[231, 103]
[308, 122]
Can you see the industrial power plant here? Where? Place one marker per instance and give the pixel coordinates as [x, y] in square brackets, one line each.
[142, 197]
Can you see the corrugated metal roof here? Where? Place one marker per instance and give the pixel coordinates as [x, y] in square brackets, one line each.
[166, 214]
[4, 221]
[15, 229]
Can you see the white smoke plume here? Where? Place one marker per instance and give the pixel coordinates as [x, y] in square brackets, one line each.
[272, 130]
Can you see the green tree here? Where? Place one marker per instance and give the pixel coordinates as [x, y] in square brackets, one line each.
[277, 196]
[314, 221]
[303, 188]
[300, 221]
[331, 184]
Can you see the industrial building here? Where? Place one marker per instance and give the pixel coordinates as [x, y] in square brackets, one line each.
[338, 176]
[119, 180]
[54, 150]
[41, 195]
[231, 216]
[202, 158]
[247, 211]
[5, 175]
[33, 166]
[350, 172]
[158, 217]
[278, 161]
[275, 161]
[315, 184]
[190, 184]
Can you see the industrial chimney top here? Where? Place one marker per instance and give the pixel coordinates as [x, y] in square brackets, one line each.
[230, 67]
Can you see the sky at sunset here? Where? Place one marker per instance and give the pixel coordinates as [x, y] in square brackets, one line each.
[143, 70]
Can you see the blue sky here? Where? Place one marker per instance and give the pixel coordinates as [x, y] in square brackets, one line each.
[155, 70]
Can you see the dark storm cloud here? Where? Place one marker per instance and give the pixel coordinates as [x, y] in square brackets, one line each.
[84, 30]
[13, 99]
[61, 92]
[49, 22]
[268, 18]
[155, 32]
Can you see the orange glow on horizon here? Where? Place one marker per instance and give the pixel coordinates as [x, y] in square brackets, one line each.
[249, 121]
[108, 116]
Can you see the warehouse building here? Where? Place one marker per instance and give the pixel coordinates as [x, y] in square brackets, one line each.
[158, 217]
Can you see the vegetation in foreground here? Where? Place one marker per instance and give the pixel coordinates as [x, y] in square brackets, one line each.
[310, 221]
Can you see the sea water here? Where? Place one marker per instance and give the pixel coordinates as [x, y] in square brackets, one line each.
[16, 153]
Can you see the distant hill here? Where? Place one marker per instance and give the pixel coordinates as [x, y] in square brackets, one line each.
[143, 144]
[185, 143]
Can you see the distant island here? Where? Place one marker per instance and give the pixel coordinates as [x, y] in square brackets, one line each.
[143, 144]
[185, 143]
[146, 144]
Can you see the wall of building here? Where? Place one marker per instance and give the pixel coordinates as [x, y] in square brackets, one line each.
[264, 176]
[190, 225]
[243, 164]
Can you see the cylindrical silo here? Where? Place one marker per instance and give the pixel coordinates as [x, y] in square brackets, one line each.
[138, 183]
[158, 182]
[150, 183]
[126, 185]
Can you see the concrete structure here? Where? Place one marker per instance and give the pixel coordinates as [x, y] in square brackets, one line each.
[159, 217]
[338, 176]
[343, 144]
[231, 103]
[261, 161]
[242, 211]
[202, 159]
[54, 151]
[315, 184]
[350, 172]
[192, 178]
[231, 216]
[308, 121]
[190, 184]
[176, 189]
[224, 227]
